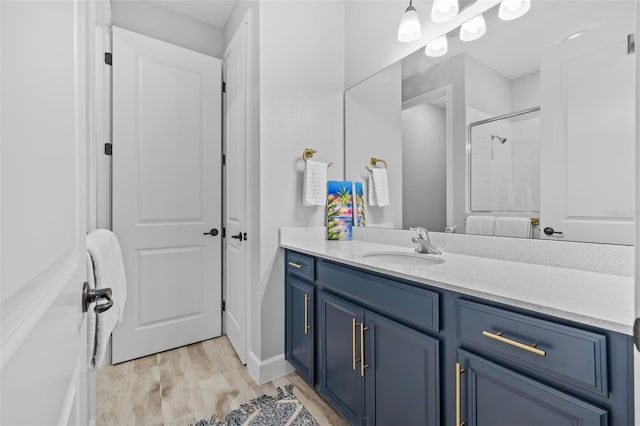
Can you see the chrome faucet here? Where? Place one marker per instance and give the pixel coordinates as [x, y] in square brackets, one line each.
[423, 243]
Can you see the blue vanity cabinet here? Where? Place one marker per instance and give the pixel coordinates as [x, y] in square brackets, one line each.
[387, 351]
[375, 370]
[339, 345]
[402, 374]
[300, 315]
[375, 364]
[491, 395]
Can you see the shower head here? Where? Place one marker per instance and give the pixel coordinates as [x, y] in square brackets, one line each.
[501, 140]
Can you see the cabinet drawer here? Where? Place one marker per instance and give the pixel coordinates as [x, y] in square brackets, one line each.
[300, 265]
[561, 352]
[407, 303]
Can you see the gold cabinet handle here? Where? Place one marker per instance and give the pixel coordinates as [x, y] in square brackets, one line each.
[362, 363]
[306, 313]
[532, 347]
[459, 371]
[354, 324]
[295, 265]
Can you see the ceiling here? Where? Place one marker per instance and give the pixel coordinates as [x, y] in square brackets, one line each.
[211, 12]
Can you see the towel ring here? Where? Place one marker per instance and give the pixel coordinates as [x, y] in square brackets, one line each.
[308, 153]
[375, 161]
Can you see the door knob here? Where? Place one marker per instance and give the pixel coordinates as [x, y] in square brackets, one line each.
[213, 232]
[238, 236]
[90, 295]
[550, 231]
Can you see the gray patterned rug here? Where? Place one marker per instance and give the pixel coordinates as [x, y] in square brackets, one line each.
[283, 409]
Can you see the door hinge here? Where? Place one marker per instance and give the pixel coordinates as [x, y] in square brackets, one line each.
[108, 58]
[108, 149]
[224, 160]
[224, 232]
[224, 87]
[224, 305]
[631, 44]
[636, 333]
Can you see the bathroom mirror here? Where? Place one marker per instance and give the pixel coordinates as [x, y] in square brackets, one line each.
[535, 120]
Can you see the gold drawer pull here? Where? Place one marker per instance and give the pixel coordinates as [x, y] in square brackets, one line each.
[459, 371]
[354, 324]
[295, 265]
[532, 347]
[362, 364]
[306, 314]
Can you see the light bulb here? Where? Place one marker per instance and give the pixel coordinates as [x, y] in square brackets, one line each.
[410, 28]
[513, 9]
[444, 10]
[473, 29]
[437, 47]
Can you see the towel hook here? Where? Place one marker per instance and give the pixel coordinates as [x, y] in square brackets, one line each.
[375, 161]
[308, 153]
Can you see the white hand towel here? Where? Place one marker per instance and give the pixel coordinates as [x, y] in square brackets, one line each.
[314, 185]
[380, 186]
[371, 193]
[480, 225]
[519, 227]
[108, 270]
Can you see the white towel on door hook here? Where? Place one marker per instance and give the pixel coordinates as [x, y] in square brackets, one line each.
[480, 225]
[314, 184]
[105, 269]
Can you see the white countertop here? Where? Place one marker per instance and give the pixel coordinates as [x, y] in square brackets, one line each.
[598, 299]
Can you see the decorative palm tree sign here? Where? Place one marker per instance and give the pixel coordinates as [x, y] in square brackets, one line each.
[339, 209]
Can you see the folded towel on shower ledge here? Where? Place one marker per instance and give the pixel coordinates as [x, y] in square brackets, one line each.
[480, 225]
[519, 227]
[314, 185]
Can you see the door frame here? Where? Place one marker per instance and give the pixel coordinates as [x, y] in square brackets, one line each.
[251, 191]
[446, 92]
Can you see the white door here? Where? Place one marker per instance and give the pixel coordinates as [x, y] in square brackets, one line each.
[43, 129]
[235, 105]
[166, 193]
[587, 149]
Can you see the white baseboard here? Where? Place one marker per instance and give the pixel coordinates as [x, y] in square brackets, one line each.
[269, 369]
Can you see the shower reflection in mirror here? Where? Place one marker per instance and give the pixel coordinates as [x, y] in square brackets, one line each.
[504, 162]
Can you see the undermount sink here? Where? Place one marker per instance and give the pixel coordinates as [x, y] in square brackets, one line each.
[401, 258]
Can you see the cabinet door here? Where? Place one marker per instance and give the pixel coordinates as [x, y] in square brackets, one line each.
[300, 327]
[338, 358]
[402, 380]
[495, 396]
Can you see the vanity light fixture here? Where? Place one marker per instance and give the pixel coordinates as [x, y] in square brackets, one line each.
[473, 29]
[437, 47]
[575, 35]
[513, 9]
[444, 10]
[410, 28]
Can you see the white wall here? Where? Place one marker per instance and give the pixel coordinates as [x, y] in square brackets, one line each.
[164, 25]
[301, 105]
[449, 73]
[424, 135]
[486, 89]
[525, 91]
[374, 129]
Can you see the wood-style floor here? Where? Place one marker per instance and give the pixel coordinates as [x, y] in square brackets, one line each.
[187, 384]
